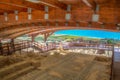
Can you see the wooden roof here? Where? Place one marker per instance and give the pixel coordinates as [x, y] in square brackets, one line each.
[81, 13]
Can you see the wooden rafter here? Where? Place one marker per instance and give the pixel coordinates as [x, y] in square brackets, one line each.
[51, 30]
[90, 3]
[53, 3]
[81, 14]
[10, 9]
[22, 4]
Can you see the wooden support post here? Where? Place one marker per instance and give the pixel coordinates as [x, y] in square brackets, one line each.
[23, 44]
[20, 51]
[20, 47]
[8, 50]
[27, 46]
[1, 48]
[46, 35]
[112, 65]
[33, 38]
[12, 46]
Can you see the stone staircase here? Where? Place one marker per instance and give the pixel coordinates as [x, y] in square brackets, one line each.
[13, 71]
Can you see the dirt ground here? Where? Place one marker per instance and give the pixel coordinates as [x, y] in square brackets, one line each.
[72, 66]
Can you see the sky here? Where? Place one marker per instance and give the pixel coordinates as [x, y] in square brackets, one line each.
[91, 33]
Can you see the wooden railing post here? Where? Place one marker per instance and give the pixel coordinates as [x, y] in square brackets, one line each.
[12, 45]
[1, 48]
[112, 64]
[8, 50]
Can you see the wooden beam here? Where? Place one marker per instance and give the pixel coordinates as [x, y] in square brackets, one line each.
[46, 35]
[33, 31]
[21, 33]
[53, 3]
[10, 9]
[90, 3]
[22, 4]
[2, 11]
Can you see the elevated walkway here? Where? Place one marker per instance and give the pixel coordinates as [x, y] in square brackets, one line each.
[8, 49]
